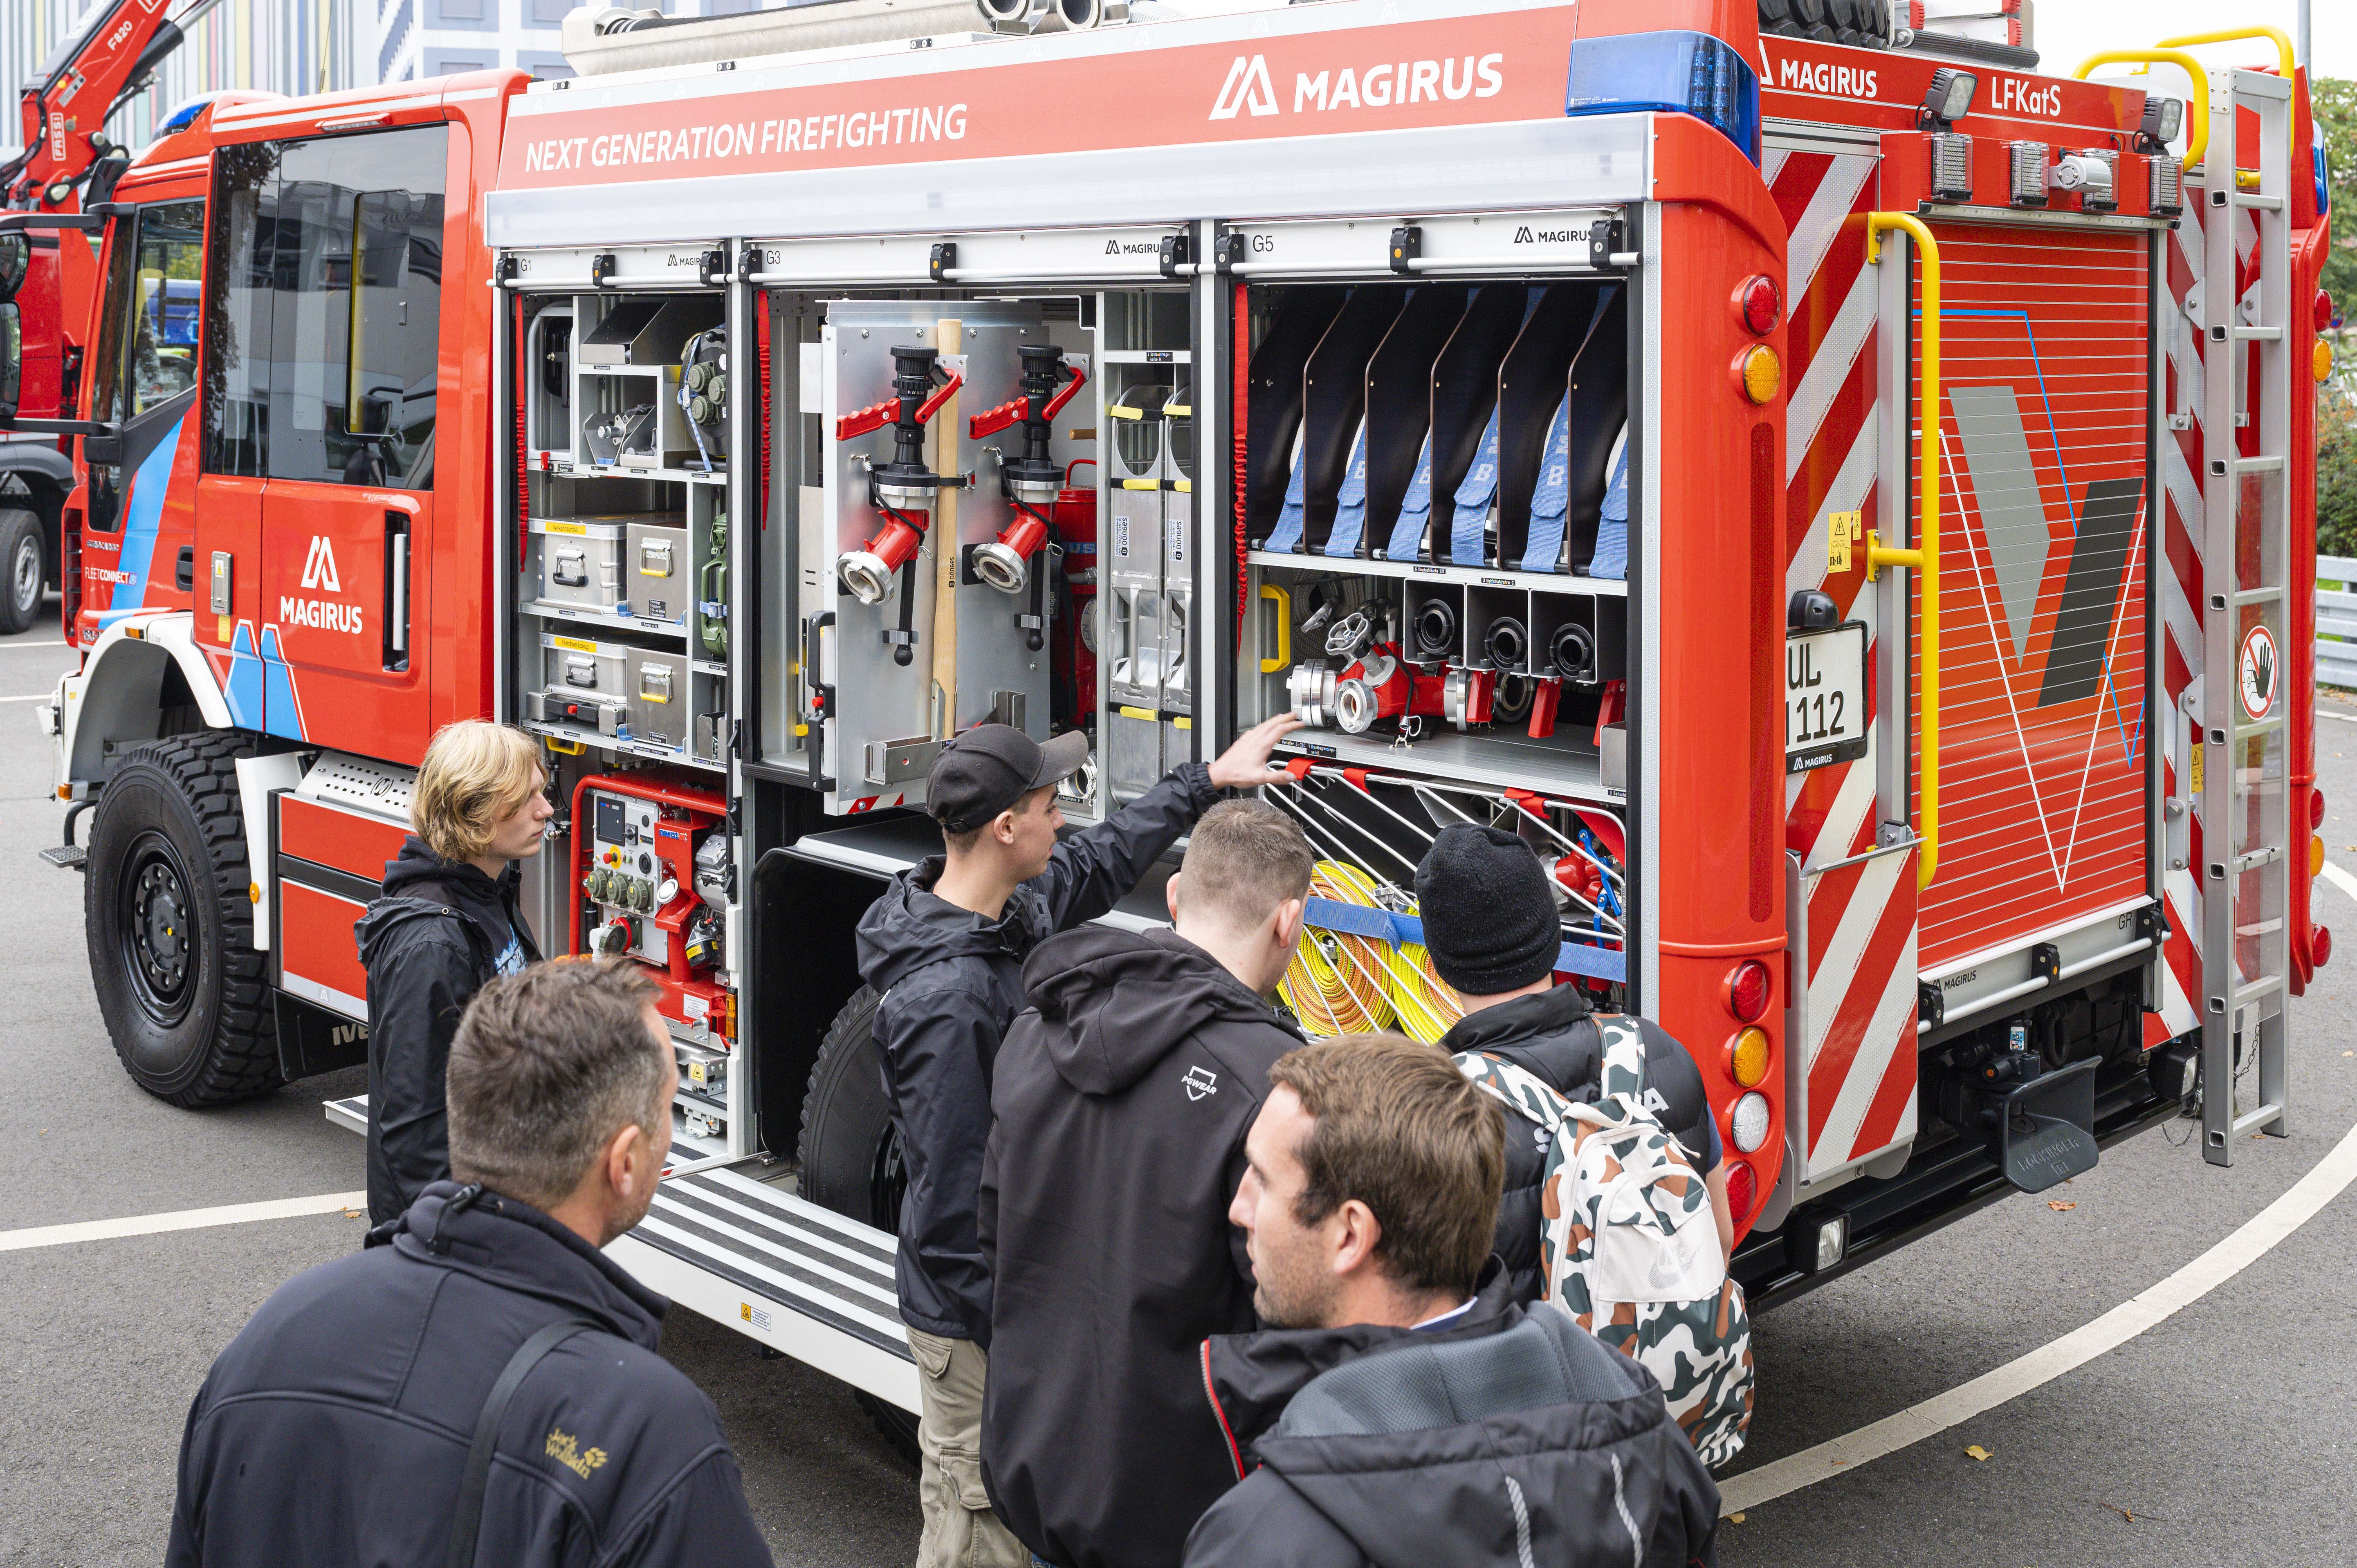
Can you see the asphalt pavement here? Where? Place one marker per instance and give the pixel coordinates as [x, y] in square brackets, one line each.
[2223, 1433]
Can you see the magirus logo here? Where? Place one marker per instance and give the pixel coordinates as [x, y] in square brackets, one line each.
[1247, 87]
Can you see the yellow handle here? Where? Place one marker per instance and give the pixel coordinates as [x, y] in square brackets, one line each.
[1284, 628]
[2286, 61]
[2286, 58]
[2197, 103]
[1923, 560]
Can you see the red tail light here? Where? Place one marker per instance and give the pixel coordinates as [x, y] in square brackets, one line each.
[2315, 810]
[1742, 1189]
[2319, 947]
[2323, 311]
[1748, 989]
[1762, 309]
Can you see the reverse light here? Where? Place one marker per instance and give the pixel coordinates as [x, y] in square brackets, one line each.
[1672, 71]
[1742, 1189]
[1762, 307]
[1820, 1244]
[1747, 991]
[1761, 371]
[1747, 1056]
[1749, 1122]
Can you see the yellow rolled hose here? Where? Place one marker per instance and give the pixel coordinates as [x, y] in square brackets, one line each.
[1339, 983]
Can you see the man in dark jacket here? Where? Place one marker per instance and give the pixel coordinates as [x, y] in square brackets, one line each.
[337, 1426]
[1404, 1410]
[1493, 930]
[1122, 1097]
[447, 923]
[945, 944]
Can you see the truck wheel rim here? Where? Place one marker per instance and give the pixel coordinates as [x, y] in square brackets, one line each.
[159, 930]
[25, 574]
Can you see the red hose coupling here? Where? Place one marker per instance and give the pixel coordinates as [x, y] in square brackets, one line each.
[1006, 562]
[871, 573]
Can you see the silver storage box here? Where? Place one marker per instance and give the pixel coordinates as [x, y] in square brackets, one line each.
[658, 579]
[580, 562]
[658, 697]
[583, 682]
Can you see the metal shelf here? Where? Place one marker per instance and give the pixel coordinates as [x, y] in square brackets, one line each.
[573, 616]
[1426, 572]
[1502, 758]
[682, 756]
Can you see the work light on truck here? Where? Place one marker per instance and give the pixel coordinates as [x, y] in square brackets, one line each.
[1949, 98]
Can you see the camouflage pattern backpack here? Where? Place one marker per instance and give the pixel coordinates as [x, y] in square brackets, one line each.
[1630, 1250]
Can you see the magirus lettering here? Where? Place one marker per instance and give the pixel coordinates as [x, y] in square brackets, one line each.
[320, 615]
[1525, 235]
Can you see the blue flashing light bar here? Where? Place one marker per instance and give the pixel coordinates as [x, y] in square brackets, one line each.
[180, 119]
[1384, 926]
[1670, 72]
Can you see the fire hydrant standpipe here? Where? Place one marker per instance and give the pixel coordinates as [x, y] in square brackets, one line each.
[902, 489]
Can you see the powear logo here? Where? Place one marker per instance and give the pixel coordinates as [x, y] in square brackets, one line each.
[1200, 1081]
[319, 566]
[1247, 87]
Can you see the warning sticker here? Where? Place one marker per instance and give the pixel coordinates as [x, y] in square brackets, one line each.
[2258, 674]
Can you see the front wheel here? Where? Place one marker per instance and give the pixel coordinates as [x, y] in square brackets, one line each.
[170, 926]
[22, 570]
[850, 1154]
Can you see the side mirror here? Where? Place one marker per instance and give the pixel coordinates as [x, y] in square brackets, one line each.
[15, 259]
[12, 359]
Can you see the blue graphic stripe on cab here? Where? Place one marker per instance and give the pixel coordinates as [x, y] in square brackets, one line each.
[142, 517]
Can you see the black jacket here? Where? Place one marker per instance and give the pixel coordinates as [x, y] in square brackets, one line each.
[1122, 1099]
[950, 987]
[1553, 1034]
[334, 1427]
[1506, 1438]
[429, 945]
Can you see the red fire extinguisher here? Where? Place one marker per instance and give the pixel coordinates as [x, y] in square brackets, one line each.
[1073, 661]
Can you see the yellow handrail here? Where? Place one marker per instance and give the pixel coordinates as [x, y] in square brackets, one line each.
[1923, 560]
[2286, 58]
[2286, 61]
[2197, 103]
[1284, 628]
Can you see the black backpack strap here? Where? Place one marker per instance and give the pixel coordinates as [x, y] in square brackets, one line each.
[469, 1521]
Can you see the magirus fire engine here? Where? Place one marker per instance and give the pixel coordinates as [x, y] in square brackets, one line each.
[1847, 506]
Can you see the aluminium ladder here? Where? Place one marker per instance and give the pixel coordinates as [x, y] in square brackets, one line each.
[2246, 698]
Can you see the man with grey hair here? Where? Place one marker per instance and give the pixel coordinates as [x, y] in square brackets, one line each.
[480, 1383]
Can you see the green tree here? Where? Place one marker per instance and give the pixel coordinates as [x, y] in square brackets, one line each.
[2333, 101]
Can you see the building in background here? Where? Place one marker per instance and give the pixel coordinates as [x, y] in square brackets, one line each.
[306, 46]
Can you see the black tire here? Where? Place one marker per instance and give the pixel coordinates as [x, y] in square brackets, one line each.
[170, 927]
[850, 1157]
[23, 572]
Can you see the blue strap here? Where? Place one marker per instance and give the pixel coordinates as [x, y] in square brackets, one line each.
[1416, 510]
[1384, 926]
[1294, 519]
[1611, 558]
[1350, 502]
[1551, 499]
[1478, 489]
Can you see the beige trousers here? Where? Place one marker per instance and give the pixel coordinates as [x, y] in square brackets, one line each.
[959, 1530]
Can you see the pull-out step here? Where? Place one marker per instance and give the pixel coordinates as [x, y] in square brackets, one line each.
[780, 1270]
[777, 1268]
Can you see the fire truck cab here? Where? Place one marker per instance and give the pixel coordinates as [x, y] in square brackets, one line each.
[1774, 476]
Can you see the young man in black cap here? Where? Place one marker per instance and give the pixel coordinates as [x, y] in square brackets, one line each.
[1492, 927]
[945, 944]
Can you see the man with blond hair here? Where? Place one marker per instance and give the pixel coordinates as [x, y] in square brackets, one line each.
[446, 926]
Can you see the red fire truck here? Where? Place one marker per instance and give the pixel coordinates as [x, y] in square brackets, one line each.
[1829, 498]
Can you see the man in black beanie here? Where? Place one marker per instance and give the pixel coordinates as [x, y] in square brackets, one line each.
[1491, 925]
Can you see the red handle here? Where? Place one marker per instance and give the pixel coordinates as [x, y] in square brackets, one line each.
[875, 417]
[990, 421]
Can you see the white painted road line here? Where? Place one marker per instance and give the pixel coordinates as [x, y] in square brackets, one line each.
[54, 642]
[184, 1219]
[2340, 879]
[2324, 712]
[36, 697]
[2188, 1284]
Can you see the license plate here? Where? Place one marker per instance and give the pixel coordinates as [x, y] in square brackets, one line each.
[1824, 697]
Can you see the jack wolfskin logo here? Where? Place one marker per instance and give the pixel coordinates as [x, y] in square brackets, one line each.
[1247, 88]
[319, 566]
[566, 1450]
[1200, 1081]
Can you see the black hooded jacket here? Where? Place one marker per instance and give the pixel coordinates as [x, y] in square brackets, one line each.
[428, 944]
[951, 985]
[1506, 1437]
[1121, 1101]
[1554, 1035]
[334, 1426]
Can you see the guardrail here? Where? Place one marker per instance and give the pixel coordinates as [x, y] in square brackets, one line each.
[2336, 618]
